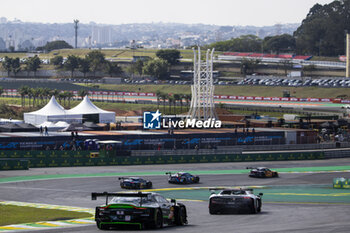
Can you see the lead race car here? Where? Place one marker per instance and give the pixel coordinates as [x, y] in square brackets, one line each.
[182, 178]
[134, 183]
[262, 172]
[143, 209]
[229, 201]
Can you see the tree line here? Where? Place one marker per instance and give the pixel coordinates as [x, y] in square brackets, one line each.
[31, 64]
[39, 96]
[321, 33]
[95, 61]
[173, 100]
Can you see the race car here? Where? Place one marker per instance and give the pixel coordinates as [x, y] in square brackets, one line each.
[141, 209]
[134, 183]
[262, 172]
[182, 178]
[229, 201]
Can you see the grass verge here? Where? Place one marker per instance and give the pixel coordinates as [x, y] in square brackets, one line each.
[265, 91]
[11, 214]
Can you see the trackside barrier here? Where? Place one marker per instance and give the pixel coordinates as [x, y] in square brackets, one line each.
[14, 164]
[169, 159]
[341, 183]
[44, 154]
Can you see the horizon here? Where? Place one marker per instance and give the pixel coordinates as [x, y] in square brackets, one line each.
[251, 13]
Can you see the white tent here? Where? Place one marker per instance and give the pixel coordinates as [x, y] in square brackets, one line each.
[52, 111]
[62, 124]
[89, 112]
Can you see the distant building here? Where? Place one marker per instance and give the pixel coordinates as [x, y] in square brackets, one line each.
[101, 35]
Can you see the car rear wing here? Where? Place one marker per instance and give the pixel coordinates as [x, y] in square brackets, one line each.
[107, 194]
[251, 167]
[169, 173]
[122, 178]
[231, 189]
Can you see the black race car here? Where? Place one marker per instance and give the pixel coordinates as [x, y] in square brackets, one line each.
[134, 183]
[230, 201]
[182, 178]
[141, 209]
[262, 172]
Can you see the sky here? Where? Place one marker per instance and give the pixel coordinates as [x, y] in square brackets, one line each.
[218, 12]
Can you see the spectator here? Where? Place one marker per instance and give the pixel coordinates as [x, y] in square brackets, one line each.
[41, 131]
[46, 131]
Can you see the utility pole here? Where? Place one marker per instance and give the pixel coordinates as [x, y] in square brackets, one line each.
[76, 32]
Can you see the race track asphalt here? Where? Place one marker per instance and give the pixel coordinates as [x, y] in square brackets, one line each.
[275, 216]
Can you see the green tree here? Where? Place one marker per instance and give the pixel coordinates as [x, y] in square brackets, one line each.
[53, 45]
[187, 98]
[7, 65]
[112, 68]
[280, 43]
[248, 66]
[170, 55]
[33, 64]
[136, 67]
[244, 43]
[71, 64]
[96, 60]
[84, 66]
[164, 97]
[16, 66]
[57, 61]
[54, 92]
[157, 68]
[323, 30]
[170, 102]
[158, 94]
[23, 91]
[177, 98]
[82, 93]
[69, 95]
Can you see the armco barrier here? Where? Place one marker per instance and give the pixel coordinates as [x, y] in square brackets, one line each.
[85, 160]
[14, 164]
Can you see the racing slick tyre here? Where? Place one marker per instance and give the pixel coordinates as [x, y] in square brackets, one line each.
[253, 208]
[149, 185]
[259, 206]
[101, 226]
[211, 211]
[180, 216]
[158, 221]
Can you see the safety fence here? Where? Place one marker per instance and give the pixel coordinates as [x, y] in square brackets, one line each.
[83, 159]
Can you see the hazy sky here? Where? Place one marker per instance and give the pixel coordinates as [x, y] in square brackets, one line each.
[220, 12]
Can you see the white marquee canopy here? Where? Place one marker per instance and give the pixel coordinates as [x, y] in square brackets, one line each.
[54, 112]
[87, 109]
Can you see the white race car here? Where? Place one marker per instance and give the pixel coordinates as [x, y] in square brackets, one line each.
[229, 201]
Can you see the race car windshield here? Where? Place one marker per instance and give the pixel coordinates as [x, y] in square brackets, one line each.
[133, 200]
[233, 192]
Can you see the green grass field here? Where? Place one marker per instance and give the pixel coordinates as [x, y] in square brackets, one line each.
[109, 53]
[19, 214]
[300, 92]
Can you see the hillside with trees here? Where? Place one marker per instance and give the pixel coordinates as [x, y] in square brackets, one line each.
[323, 30]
